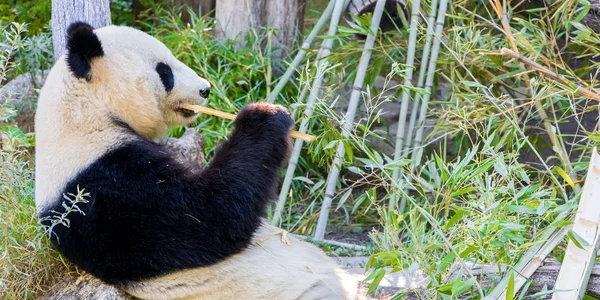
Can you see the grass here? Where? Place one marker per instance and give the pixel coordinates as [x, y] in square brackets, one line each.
[27, 261]
[489, 186]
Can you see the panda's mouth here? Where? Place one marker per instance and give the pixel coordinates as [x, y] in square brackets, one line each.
[185, 112]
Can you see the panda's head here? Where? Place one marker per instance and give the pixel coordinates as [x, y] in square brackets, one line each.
[133, 76]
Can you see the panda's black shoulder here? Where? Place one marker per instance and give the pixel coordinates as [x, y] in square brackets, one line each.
[134, 159]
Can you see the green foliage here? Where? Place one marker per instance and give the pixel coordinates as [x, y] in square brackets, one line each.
[35, 13]
[473, 200]
[27, 261]
[237, 76]
[35, 53]
[21, 53]
[121, 12]
[483, 193]
[9, 44]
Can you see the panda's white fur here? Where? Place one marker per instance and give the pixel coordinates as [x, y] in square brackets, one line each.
[88, 112]
[269, 269]
[73, 121]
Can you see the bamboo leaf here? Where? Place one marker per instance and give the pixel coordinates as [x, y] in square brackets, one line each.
[577, 240]
[344, 198]
[355, 170]
[565, 176]
[510, 289]
[304, 179]
[376, 276]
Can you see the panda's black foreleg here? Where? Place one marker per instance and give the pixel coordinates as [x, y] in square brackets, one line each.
[147, 216]
[244, 173]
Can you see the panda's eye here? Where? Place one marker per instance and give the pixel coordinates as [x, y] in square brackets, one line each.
[166, 75]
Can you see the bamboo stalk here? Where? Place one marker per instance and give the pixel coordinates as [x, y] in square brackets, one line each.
[300, 99]
[579, 260]
[422, 73]
[333, 243]
[348, 122]
[218, 113]
[410, 61]
[420, 83]
[439, 27]
[301, 53]
[322, 64]
[293, 162]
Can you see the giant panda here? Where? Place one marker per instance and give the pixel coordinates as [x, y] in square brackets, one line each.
[145, 222]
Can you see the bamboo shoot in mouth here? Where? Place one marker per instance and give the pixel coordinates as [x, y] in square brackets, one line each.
[218, 113]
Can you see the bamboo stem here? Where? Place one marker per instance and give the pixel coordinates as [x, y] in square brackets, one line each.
[224, 115]
[300, 99]
[333, 243]
[420, 83]
[348, 122]
[301, 53]
[410, 61]
[322, 64]
[422, 73]
[439, 27]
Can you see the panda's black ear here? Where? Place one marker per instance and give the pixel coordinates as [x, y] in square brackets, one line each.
[83, 45]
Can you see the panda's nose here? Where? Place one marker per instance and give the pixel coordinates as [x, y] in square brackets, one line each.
[205, 92]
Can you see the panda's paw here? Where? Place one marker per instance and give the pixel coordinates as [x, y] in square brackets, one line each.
[264, 115]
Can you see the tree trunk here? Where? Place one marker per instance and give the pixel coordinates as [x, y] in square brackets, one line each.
[288, 18]
[64, 12]
[200, 7]
[235, 18]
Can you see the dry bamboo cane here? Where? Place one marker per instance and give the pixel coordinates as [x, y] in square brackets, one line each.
[410, 61]
[332, 243]
[218, 113]
[579, 260]
[439, 26]
[301, 53]
[583, 91]
[322, 64]
[348, 122]
[529, 262]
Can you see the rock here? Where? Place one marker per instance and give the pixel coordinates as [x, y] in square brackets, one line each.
[22, 92]
[84, 287]
[188, 149]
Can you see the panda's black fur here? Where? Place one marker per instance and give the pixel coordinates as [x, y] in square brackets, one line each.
[82, 45]
[148, 215]
[151, 226]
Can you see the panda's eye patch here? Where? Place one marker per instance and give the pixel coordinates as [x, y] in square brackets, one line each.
[166, 75]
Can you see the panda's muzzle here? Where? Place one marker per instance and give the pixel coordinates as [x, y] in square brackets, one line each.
[185, 112]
